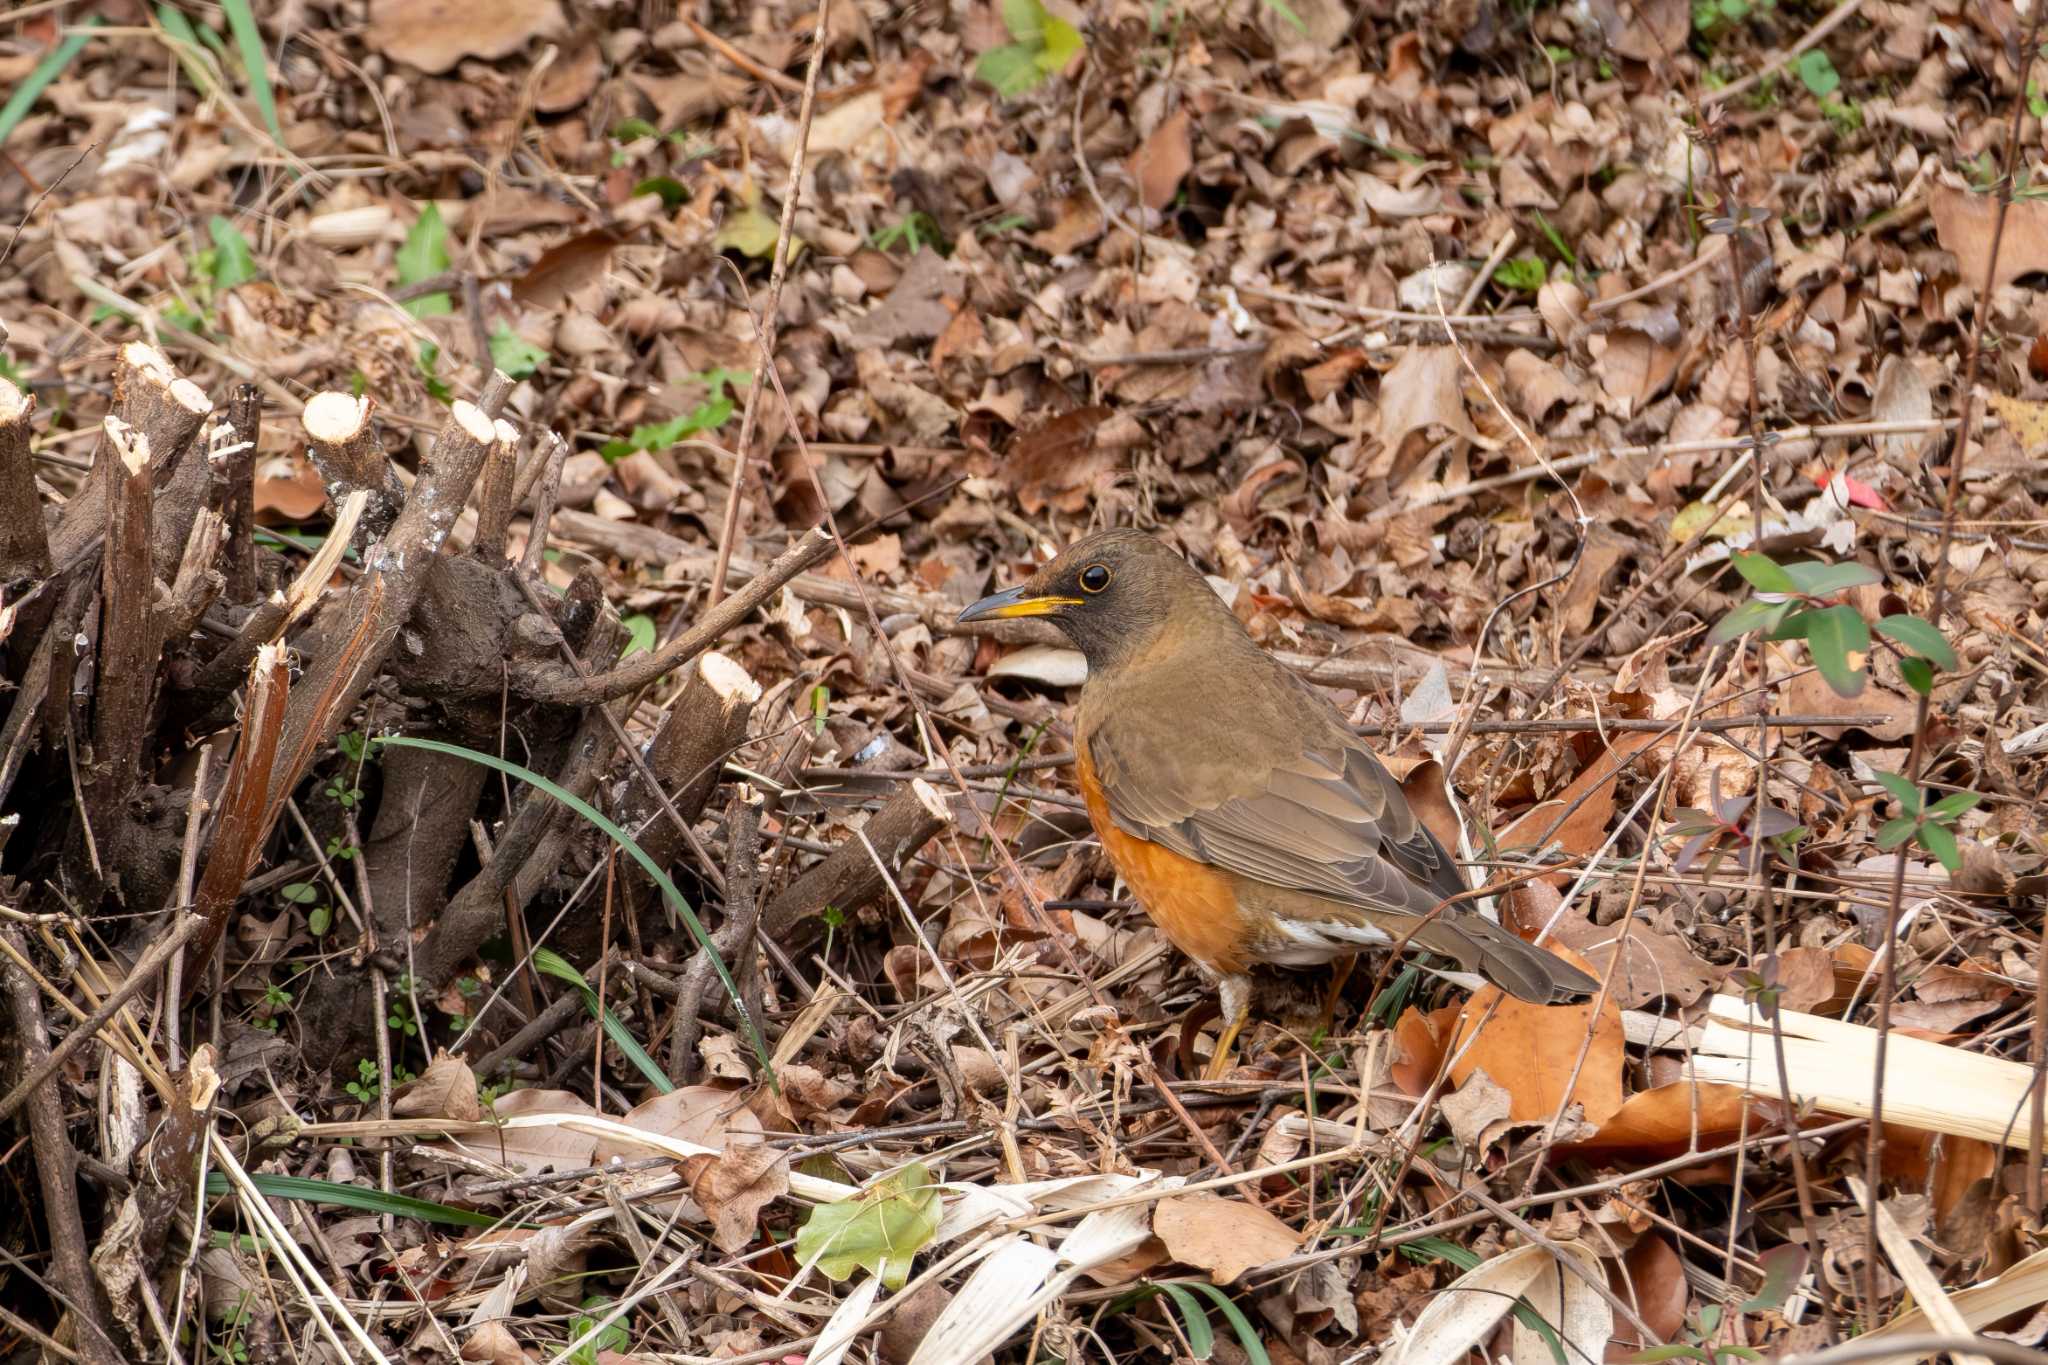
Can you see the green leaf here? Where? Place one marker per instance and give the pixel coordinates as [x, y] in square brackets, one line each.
[299, 893]
[185, 46]
[1201, 1337]
[1918, 673]
[233, 262]
[514, 354]
[882, 1231]
[633, 129]
[1952, 805]
[553, 964]
[1063, 43]
[1920, 637]
[249, 42]
[1818, 72]
[423, 256]
[429, 363]
[639, 634]
[303, 1190]
[1795, 626]
[1940, 840]
[1656, 1355]
[612, 1339]
[48, 69]
[1816, 579]
[1026, 21]
[319, 920]
[1783, 1265]
[654, 870]
[1839, 638]
[1907, 794]
[1746, 618]
[667, 186]
[1525, 273]
[1896, 832]
[1246, 1337]
[1012, 69]
[1764, 573]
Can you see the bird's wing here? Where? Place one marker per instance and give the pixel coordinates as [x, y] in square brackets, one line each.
[1330, 823]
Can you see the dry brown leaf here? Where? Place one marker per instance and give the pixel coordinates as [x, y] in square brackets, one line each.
[1077, 221]
[434, 35]
[1422, 782]
[1058, 463]
[1644, 30]
[1424, 389]
[565, 268]
[1964, 223]
[536, 1151]
[288, 489]
[1605, 549]
[1225, 1237]
[734, 1186]
[1534, 1050]
[1653, 1279]
[1659, 964]
[1478, 1110]
[1584, 821]
[1668, 1118]
[918, 307]
[1632, 365]
[1536, 386]
[1419, 1041]
[492, 1343]
[1162, 161]
[701, 1114]
[1948, 998]
[445, 1090]
[1902, 395]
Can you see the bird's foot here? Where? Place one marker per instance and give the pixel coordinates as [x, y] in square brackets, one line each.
[1236, 997]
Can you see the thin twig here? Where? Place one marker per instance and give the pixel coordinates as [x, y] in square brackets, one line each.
[729, 524]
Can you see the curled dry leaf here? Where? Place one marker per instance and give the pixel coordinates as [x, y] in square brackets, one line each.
[1225, 1237]
[1424, 389]
[1478, 1110]
[445, 1090]
[734, 1186]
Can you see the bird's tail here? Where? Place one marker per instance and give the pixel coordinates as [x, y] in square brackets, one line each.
[1521, 969]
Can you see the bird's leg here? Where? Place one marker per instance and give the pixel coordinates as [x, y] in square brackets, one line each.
[1340, 973]
[1234, 992]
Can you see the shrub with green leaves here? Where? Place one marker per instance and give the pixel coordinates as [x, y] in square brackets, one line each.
[1796, 602]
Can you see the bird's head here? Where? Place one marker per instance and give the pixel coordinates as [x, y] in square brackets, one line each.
[1110, 594]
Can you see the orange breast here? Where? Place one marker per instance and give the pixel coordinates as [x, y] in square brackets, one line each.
[1193, 904]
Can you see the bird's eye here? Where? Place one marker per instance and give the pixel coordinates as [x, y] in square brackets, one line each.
[1095, 578]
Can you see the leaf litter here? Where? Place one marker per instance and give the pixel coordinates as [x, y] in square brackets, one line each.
[1054, 267]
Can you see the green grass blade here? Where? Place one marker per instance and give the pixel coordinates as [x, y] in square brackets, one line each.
[48, 69]
[249, 42]
[633, 851]
[307, 1191]
[1246, 1337]
[549, 961]
[1201, 1336]
[185, 46]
